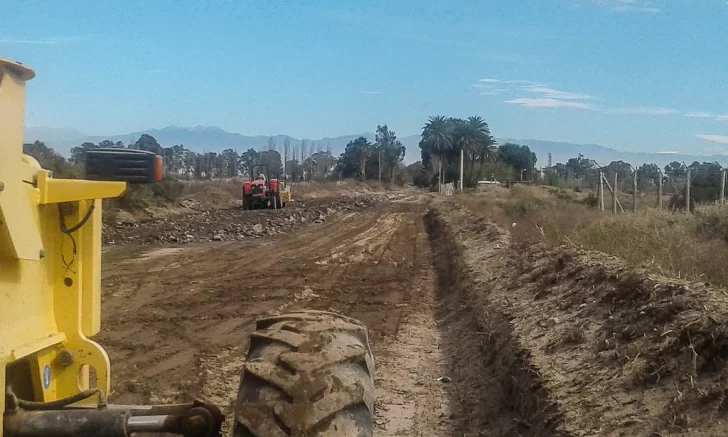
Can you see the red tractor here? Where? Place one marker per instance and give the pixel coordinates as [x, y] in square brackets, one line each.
[261, 191]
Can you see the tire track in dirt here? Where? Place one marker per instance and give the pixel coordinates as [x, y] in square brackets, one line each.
[182, 331]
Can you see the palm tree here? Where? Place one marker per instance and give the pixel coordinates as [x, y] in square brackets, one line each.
[437, 134]
[364, 149]
[481, 143]
[472, 136]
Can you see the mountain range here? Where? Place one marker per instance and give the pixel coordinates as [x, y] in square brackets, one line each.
[215, 139]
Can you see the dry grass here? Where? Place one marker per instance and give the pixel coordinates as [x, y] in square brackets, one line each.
[691, 246]
[315, 190]
[229, 189]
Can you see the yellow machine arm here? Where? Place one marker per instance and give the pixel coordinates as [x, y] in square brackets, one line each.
[50, 236]
[50, 277]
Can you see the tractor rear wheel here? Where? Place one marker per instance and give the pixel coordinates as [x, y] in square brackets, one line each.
[307, 373]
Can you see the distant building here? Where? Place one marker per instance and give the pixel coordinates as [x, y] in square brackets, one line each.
[487, 185]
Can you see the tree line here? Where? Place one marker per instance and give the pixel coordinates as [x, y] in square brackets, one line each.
[705, 177]
[443, 141]
[305, 161]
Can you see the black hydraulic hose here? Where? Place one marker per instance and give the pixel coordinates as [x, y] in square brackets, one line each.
[60, 403]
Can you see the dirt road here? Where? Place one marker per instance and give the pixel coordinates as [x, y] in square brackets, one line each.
[472, 335]
[176, 319]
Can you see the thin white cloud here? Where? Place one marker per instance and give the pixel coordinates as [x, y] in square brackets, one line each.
[722, 117]
[720, 139]
[551, 93]
[698, 115]
[489, 80]
[627, 6]
[631, 8]
[53, 40]
[522, 82]
[668, 152]
[646, 111]
[494, 91]
[371, 92]
[549, 103]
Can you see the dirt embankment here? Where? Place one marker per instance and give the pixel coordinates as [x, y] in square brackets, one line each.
[578, 343]
[201, 222]
[498, 390]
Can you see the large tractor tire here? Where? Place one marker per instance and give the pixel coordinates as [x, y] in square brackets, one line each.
[307, 374]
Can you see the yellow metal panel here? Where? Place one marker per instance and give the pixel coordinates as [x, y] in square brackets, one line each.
[49, 295]
[91, 284]
[69, 190]
[34, 346]
[18, 236]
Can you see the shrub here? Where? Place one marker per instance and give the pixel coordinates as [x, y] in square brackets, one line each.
[169, 190]
[591, 200]
[144, 196]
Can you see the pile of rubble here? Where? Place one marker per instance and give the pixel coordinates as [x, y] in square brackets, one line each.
[230, 224]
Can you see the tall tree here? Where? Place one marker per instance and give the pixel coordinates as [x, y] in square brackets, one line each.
[271, 159]
[148, 143]
[229, 166]
[247, 160]
[77, 153]
[354, 159]
[578, 167]
[303, 150]
[51, 160]
[286, 155]
[519, 158]
[675, 170]
[389, 150]
[473, 137]
[437, 140]
[174, 159]
[648, 175]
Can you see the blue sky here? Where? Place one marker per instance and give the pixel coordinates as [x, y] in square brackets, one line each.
[649, 75]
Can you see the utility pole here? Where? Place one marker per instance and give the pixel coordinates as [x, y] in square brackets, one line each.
[439, 178]
[380, 166]
[601, 191]
[687, 191]
[659, 190]
[522, 174]
[614, 195]
[634, 191]
[462, 159]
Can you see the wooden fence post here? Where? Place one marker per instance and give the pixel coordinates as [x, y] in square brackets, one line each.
[601, 191]
[614, 195]
[687, 191]
[722, 186]
[609, 187]
[659, 191]
[634, 192]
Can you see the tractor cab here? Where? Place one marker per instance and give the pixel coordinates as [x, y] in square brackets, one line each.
[262, 191]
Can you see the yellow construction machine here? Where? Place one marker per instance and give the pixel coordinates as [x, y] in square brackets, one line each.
[306, 373]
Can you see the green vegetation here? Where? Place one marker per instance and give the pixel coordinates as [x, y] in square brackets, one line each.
[303, 162]
[443, 140]
[691, 246]
[379, 161]
[581, 172]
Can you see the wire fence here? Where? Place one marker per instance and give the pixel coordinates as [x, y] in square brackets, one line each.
[698, 185]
